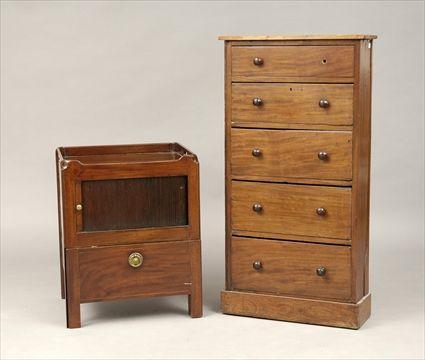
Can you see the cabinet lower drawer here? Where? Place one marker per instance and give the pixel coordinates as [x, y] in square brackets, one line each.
[106, 272]
[291, 268]
[322, 155]
[318, 211]
[279, 105]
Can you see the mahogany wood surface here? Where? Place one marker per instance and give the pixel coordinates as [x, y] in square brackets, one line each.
[290, 268]
[291, 209]
[134, 203]
[361, 170]
[115, 200]
[303, 37]
[292, 104]
[289, 125]
[292, 154]
[105, 273]
[304, 310]
[283, 62]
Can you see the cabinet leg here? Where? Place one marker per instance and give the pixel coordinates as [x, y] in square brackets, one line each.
[73, 315]
[62, 282]
[72, 280]
[195, 298]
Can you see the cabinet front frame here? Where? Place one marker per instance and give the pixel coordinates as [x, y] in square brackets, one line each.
[361, 129]
[75, 173]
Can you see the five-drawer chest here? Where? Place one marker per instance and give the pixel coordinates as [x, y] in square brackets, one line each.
[298, 129]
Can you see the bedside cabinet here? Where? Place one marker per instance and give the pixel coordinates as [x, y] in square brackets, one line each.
[128, 224]
[297, 178]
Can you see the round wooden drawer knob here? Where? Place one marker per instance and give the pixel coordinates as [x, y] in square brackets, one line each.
[258, 61]
[323, 155]
[321, 271]
[324, 103]
[321, 211]
[257, 207]
[135, 259]
[256, 152]
[257, 265]
[257, 102]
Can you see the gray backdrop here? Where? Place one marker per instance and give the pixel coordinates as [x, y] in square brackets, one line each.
[79, 73]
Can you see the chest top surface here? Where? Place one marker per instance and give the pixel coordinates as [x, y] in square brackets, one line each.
[296, 37]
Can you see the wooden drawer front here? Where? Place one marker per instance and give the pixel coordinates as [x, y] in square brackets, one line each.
[292, 209]
[281, 63]
[291, 268]
[292, 154]
[286, 104]
[106, 274]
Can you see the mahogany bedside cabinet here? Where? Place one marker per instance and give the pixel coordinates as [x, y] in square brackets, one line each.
[128, 224]
[298, 121]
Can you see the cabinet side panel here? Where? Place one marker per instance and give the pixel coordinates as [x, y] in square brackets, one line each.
[361, 171]
[228, 156]
[60, 223]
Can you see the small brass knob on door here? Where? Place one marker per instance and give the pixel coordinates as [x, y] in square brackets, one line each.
[257, 207]
[321, 211]
[257, 102]
[257, 265]
[78, 207]
[258, 61]
[256, 152]
[324, 103]
[321, 271]
[135, 259]
[323, 155]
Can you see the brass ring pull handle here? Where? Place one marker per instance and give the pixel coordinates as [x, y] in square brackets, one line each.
[323, 155]
[321, 211]
[321, 271]
[258, 61]
[324, 103]
[257, 265]
[257, 102]
[135, 259]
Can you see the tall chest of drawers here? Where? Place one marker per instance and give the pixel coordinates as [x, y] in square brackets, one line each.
[297, 178]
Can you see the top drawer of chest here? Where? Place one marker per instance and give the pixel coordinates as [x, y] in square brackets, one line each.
[292, 63]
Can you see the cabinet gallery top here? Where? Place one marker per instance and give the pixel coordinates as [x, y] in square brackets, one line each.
[298, 37]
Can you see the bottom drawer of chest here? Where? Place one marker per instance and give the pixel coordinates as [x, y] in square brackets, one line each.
[116, 272]
[291, 268]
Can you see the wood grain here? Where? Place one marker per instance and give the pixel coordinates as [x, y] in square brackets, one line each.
[291, 82]
[135, 198]
[296, 37]
[60, 224]
[134, 203]
[195, 296]
[292, 103]
[361, 171]
[283, 62]
[76, 173]
[290, 268]
[291, 209]
[291, 237]
[309, 311]
[292, 154]
[292, 180]
[228, 164]
[73, 295]
[105, 272]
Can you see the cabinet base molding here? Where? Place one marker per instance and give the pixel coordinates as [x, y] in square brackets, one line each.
[310, 311]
